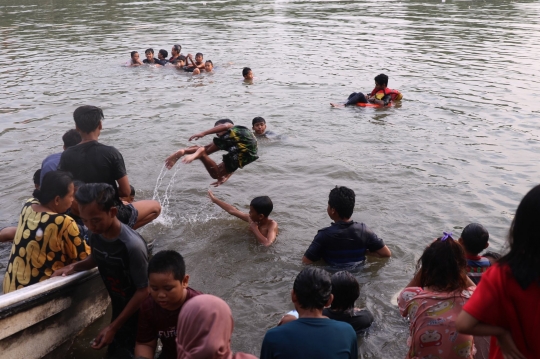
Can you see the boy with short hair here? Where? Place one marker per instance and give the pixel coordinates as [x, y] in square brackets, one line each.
[264, 228]
[51, 162]
[158, 316]
[238, 141]
[474, 239]
[197, 64]
[248, 74]
[380, 95]
[162, 57]
[312, 335]
[345, 242]
[121, 256]
[150, 60]
[259, 128]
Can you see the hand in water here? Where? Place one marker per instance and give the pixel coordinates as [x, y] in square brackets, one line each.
[104, 338]
[336, 104]
[171, 160]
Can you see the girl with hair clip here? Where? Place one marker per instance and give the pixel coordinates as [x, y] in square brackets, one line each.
[46, 238]
[506, 303]
[434, 298]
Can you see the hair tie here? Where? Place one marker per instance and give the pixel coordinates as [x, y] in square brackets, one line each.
[446, 236]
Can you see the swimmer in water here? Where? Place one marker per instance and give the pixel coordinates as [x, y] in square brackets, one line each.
[380, 95]
[135, 61]
[150, 59]
[208, 67]
[248, 75]
[259, 128]
[162, 57]
[238, 141]
[197, 64]
[264, 228]
[175, 52]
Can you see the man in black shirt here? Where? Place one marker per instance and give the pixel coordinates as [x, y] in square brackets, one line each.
[345, 242]
[94, 162]
[121, 256]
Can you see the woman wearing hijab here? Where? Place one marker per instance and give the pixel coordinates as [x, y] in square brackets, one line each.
[204, 330]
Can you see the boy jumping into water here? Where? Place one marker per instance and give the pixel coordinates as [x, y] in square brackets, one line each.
[238, 141]
[264, 228]
[381, 94]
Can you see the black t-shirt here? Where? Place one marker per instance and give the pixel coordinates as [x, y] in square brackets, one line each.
[93, 162]
[360, 319]
[343, 243]
[156, 62]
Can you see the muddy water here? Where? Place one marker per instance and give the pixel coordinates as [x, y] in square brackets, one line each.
[462, 147]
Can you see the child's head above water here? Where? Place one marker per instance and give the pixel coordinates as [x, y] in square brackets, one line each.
[442, 266]
[341, 202]
[345, 289]
[474, 238]
[223, 121]
[247, 73]
[149, 54]
[181, 61]
[381, 81]
[208, 66]
[167, 279]
[134, 56]
[312, 288]
[163, 54]
[199, 57]
[259, 125]
[260, 208]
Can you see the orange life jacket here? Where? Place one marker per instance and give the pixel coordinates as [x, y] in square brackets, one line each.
[394, 94]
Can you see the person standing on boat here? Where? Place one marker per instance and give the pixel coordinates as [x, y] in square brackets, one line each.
[121, 256]
[94, 162]
[46, 239]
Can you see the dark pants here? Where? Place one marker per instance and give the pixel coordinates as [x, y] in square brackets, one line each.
[123, 344]
[356, 97]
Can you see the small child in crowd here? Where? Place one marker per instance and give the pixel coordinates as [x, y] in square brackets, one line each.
[150, 60]
[238, 141]
[434, 298]
[380, 95]
[248, 75]
[264, 228]
[346, 290]
[169, 290]
[474, 239]
[505, 304]
[162, 56]
[208, 67]
[197, 64]
[135, 61]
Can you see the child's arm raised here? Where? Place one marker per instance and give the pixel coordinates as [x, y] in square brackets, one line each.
[228, 208]
[217, 129]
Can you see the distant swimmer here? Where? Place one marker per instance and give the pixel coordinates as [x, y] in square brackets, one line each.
[264, 228]
[381, 94]
[208, 67]
[238, 141]
[150, 59]
[248, 75]
[259, 128]
[197, 64]
[162, 57]
[135, 61]
[175, 52]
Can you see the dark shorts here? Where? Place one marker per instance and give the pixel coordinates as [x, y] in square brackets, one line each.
[189, 69]
[127, 214]
[231, 164]
[356, 97]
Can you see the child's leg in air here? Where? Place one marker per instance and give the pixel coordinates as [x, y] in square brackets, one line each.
[171, 160]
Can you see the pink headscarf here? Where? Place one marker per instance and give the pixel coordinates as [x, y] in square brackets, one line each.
[204, 330]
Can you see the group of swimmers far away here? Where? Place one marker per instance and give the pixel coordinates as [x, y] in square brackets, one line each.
[462, 302]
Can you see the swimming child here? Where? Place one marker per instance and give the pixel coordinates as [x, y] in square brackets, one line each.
[259, 127]
[135, 61]
[248, 75]
[380, 95]
[208, 67]
[505, 303]
[197, 64]
[433, 299]
[169, 291]
[264, 228]
[238, 141]
[150, 60]
[162, 57]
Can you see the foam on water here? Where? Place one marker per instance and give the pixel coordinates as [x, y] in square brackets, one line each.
[165, 218]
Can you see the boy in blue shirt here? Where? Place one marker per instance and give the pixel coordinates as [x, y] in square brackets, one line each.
[312, 335]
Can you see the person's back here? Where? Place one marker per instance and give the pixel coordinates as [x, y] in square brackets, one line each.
[474, 239]
[311, 336]
[51, 162]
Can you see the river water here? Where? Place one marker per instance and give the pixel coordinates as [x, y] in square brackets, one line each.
[463, 146]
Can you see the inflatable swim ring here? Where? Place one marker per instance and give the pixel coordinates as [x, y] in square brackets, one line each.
[374, 104]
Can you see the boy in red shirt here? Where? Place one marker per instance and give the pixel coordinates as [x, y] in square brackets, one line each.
[168, 283]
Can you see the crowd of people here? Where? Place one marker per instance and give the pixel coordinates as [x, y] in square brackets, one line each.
[461, 302]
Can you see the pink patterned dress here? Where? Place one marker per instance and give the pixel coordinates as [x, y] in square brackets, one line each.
[432, 331]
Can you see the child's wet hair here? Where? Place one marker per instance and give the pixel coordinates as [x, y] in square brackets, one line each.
[182, 58]
[168, 262]
[312, 288]
[262, 205]
[342, 200]
[149, 51]
[87, 118]
[209, 62]
[133, 53]
[245, 71]
[381, 79]
[71, 138]
[55, 183]
[443, 266]
[475, 238]
[101, 193]
[257, 120]
[223, 121]
[345, 289]
[164, 53]
[199, 54]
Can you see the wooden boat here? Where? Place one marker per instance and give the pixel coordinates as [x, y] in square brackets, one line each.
[36, 320]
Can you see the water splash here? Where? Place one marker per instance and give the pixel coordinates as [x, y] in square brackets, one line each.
[165, 218]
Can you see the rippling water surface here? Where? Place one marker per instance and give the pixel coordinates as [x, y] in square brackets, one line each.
[463, 146]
